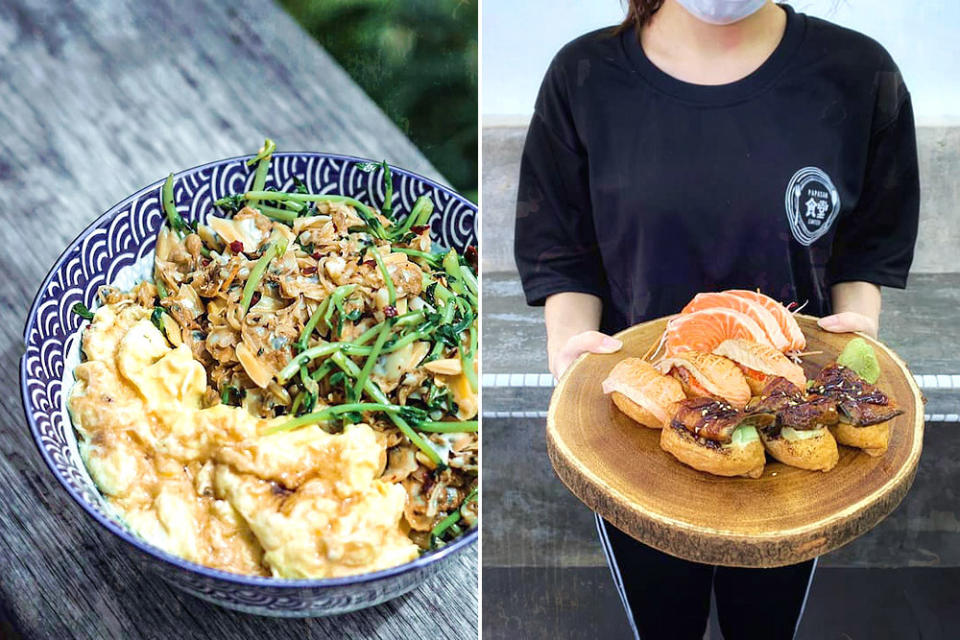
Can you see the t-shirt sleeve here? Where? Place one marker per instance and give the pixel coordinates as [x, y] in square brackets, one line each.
[555, 244]
[874, 242]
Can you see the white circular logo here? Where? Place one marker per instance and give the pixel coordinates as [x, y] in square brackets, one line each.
[812, 204]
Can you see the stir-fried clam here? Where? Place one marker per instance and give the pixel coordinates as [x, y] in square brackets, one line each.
[326, 310]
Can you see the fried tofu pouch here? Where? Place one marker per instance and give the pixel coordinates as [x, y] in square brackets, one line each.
[713, 436]
[864, 410]
[814, 450]
[799, 437]
[745, 460]
[873, 440]
[643, 393]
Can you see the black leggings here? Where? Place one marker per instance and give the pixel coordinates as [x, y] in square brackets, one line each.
[669, 598]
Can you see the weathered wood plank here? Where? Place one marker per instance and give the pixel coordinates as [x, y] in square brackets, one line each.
[96, 101]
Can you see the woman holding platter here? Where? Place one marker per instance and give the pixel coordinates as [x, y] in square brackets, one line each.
[705, 145]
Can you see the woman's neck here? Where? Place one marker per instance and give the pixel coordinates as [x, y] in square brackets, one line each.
[701, 53]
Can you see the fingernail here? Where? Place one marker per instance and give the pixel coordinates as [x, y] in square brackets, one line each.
[610, 344]
[828, 322]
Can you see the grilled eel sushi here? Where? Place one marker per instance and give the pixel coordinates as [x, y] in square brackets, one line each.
[799, 433]
[713, 436]
[863, 410]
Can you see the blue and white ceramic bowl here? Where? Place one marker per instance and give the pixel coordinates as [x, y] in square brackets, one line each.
[118, 249]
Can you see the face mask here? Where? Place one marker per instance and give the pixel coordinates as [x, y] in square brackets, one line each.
[722, 11]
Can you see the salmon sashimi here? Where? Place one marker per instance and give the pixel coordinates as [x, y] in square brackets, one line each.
[757, 312]
[704, 330]
[788, 324]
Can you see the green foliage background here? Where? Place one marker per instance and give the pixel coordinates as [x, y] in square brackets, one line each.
[417, 59]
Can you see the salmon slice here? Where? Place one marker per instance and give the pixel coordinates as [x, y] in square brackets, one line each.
[757, 312]
[704, 330]
[650, 390]
[788, 324]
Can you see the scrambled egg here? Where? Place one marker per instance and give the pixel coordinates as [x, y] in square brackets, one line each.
[205, 485]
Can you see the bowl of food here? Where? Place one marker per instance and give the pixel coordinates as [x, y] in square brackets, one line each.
[261, 375]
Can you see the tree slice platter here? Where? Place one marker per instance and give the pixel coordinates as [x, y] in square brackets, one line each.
[617, 468]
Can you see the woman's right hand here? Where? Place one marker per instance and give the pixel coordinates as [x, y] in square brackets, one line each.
[587, 341]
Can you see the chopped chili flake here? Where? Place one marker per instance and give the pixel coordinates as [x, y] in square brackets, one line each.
[390, 311]
[236, 246]
[370, 263]
[471, 256]
[309, 271]
[255, 299]
[419, 228]
[316, 255]
[205, 261]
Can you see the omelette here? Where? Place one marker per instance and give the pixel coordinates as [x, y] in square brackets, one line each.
[207, 484]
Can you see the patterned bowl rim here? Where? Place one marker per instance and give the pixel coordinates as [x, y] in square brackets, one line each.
[465, 540]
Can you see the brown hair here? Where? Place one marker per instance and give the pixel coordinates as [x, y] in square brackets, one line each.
[639, 13]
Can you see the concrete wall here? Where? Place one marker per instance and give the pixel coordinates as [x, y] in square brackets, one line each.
[937, 245]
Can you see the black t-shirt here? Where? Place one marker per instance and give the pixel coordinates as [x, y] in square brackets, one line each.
[645, 190]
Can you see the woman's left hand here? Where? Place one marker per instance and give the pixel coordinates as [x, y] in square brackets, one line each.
[849, 321]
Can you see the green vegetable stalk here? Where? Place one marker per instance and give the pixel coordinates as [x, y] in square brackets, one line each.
[443, 525]
[457, 277]
[262, 159]
[422, 210]
[372, 390]
[281, 215]
[387, 208]
[434, 260]
[467, 357]
[265, 152]
[81, 310]
[466, 426]
[322, 370]
[323, 416]
[170, 208]
[310, 386]
[355, 348]
[312, 324]
[471, 282]
[375, 350]
[450, 522]
[228, 393]
[365, 212]
[336, 299]
[324, 349]
[274, 250]
[387, 280]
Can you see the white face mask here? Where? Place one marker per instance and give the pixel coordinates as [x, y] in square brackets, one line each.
[722, 11]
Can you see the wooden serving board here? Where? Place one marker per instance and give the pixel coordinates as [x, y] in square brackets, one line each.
[617, 468]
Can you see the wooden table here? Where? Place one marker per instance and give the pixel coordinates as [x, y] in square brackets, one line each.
[96, 101]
